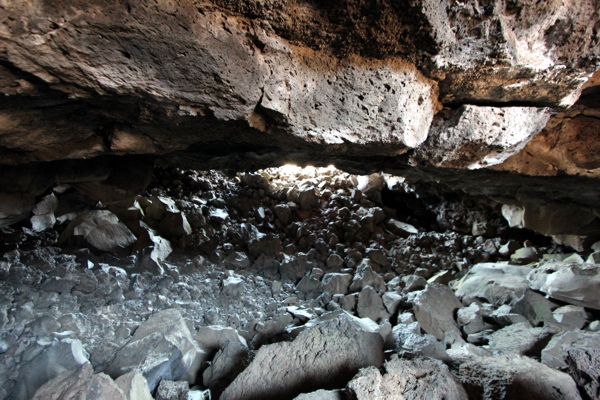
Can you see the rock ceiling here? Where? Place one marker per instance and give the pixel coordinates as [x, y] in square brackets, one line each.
[429, 89]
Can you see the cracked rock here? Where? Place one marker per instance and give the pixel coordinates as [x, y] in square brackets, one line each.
[323, 357]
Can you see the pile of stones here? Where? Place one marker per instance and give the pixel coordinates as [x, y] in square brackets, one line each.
[303, 283]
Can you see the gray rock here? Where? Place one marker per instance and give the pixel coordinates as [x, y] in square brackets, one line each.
[555, 353]
[406, 379]
[520, 339]
[233, 286]
[434, 308]
[401, 229]
[237, 260]
[134, 386]
[40, 223]
[413, 282]
[322, 395]
[336, 283]
[174, 226]
[574, 317]
[59, 358]
[535, 307]
[584, 367]
[227, 364]
[160, 206]
[514, 377]
[370, 305]
[80, 384]
[503, 316]
[525, 255]
[461, 352]
[334, 261]
[365, 276]
[574, 283]
[267, 244]
[153, 250]
[101, 230]
[162, 348]
[498, 283]
[283, 213]
[326, 356]
[480, 338]
[391, 301]
[172, 390]
[293, 268]
[212, 338]
[308, 198]
[309, 288]
[470, 319]
[410, 343]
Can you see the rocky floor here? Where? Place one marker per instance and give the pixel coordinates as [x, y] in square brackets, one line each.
[293, 283]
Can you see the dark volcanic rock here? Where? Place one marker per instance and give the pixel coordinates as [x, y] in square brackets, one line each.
[326, 356]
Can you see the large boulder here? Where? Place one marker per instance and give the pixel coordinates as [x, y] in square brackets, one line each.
[56, 359]
[497, 283]
[81, 383]
[323, 357]
[401, 379]
[555, 353]
[584, 367]
[514, 377]
[435, 308]
[574, 283]
[162, 348]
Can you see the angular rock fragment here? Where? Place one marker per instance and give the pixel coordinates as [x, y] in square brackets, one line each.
[434, 308]
[498, 283]
[134, 386]
[323, 357]
[100, 229]
[80, 384]
[401, 229]
[54, 360]
[370, 305]
[555, 353]
[336, 283]
[365, 276]
[410, 343]
[162, 348]
[535, 307]
[574, 317]
[213, 337]
[520, 339]
[584, 367]
[227, 364]
[406, 379]
[322, 395]
[574, 283]
[514, 377]
[172, 390]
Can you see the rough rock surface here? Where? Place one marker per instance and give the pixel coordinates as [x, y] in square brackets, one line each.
[496, 283]
[174, 353]
[434, 308]
[80, 384]
[575, 283]
[514, 377]
[326, 357]
[407, 379]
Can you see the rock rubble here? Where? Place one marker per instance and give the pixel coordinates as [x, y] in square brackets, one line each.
[291, 283]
